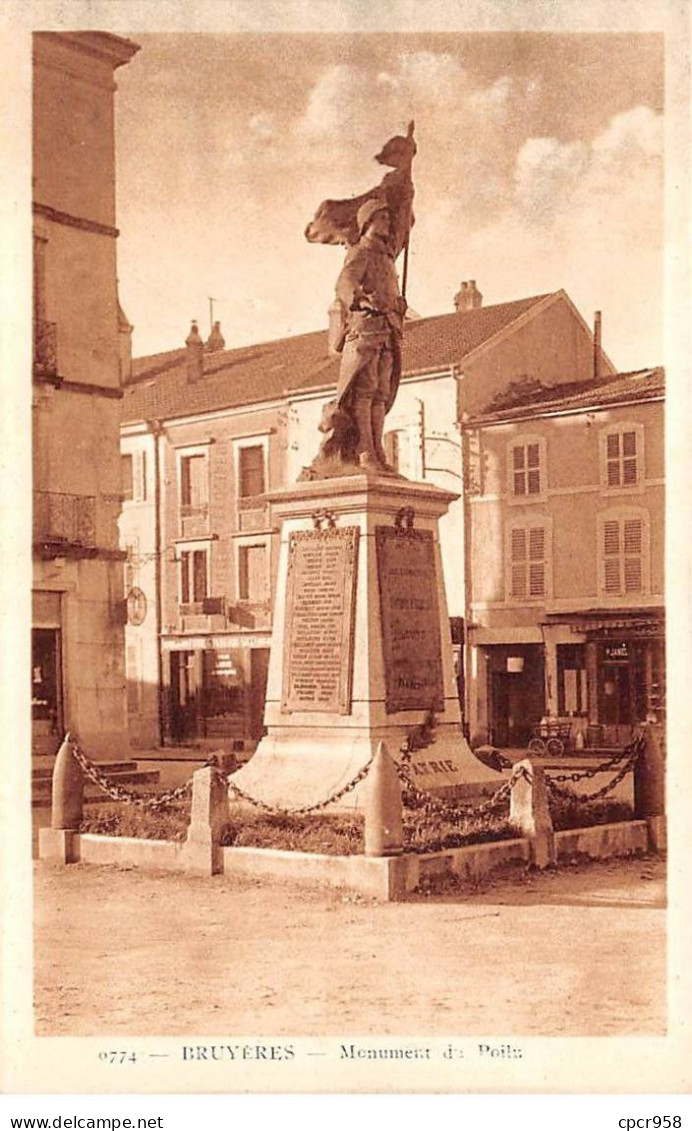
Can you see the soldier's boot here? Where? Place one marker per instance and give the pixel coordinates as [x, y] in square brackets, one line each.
[362, 411]
[378, 415]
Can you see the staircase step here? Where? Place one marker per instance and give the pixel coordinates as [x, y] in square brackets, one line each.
[39, 773]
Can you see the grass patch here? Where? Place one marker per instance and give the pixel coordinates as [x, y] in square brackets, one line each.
[335, 835]
[568, 814]
[129, 820]
[425, 828]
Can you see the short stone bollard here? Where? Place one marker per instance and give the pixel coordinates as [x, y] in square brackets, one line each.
[59, 842]
[209, 812]
[649, 787]
[530, 813]
[384, 833]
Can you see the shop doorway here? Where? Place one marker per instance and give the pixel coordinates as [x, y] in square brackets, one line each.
[517, 694]
[46, 690]
[185, 695]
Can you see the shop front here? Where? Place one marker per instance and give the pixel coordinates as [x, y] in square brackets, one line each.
[614, 678]
[515, 694]
[216, 689]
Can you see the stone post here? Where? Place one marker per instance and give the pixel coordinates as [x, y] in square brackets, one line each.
[59, 842]
[202, 851]
[649, 787]
[384, 835]
[529, 811]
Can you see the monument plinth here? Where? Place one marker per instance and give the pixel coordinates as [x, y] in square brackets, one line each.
[361, 650]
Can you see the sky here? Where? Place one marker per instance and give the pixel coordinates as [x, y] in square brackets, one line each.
[539, 167]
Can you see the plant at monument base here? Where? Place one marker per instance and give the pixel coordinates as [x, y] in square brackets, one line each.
[336, 835]
[428, 831]
[169, 823]
[577, 814]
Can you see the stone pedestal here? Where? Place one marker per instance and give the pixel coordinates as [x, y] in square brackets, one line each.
[361, 649]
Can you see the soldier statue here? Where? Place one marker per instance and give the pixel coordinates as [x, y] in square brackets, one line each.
[366, 319]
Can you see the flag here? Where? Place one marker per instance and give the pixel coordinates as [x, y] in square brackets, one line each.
[335, 220]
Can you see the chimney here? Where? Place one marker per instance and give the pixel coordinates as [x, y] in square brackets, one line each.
[216, 340]
[195, 355]
[597, 345]
[468, 298]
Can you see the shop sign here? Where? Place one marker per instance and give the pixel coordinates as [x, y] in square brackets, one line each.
[213, 643]
[613, 652]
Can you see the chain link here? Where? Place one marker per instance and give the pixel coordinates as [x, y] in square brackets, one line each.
[570, 795]
[303, 809]
[634, 748]
[117, 793]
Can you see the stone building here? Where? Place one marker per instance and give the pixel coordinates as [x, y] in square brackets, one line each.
[207, 430]
[77, 619]
[565, 544]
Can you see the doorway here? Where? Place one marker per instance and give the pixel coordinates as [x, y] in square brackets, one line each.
[46, 690]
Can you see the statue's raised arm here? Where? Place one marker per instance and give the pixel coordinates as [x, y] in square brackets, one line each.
[366, 323]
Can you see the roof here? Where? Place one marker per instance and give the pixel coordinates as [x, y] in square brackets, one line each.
[270, 370]
[530, 398]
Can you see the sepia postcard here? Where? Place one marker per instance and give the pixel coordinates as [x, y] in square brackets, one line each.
[347, 599]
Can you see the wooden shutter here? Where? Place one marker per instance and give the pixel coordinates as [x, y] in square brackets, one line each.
[611, 556]
[537, 561]
[632, 552]
[629, 459]
[518, 563]
[613, 459]
[199, 566]
[518, 462]
[533, 472]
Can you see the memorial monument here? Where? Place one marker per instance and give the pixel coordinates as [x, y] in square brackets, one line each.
[361, 649]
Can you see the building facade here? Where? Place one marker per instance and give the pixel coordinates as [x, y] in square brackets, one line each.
[565, 511]
[77, 618]
[217, 428]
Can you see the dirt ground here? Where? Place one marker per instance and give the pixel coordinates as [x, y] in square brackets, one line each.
[576, 952]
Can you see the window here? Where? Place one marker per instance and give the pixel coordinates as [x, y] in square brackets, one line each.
[133, 476]
[127, 477]
[526, 469]
[528, 562]
[193, 576]
[622, 457]
[194, 494]
[623, 549]
[252, 573]
[251, 471]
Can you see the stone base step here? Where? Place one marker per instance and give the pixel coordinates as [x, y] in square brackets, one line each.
[41, 773]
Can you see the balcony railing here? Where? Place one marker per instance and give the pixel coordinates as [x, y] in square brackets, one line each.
[45, 348]
[64, 523]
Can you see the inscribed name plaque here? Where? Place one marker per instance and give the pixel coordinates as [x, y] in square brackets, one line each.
[410, 619]
[318, 642]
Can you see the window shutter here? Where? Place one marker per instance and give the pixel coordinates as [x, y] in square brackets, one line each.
[199, 565]
[518, 574]
[633, 539]
[611, 551]
[537, 561]
[185, 578]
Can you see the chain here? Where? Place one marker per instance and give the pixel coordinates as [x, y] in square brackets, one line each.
[439, 805]
[570, 795]
[117, 793]
[278, 809]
